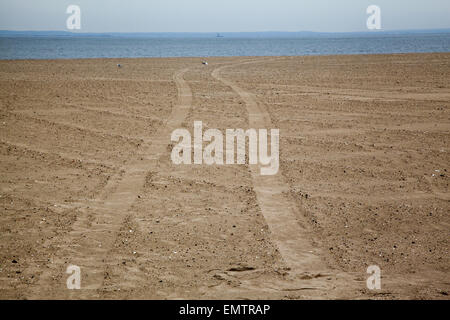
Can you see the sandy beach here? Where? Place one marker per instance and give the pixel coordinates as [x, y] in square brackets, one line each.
[87, 178]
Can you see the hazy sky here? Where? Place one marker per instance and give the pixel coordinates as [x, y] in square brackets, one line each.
[222, 15]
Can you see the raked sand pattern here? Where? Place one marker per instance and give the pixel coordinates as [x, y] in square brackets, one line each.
[87, 178]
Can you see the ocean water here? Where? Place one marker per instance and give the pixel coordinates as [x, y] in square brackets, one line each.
[57, 47]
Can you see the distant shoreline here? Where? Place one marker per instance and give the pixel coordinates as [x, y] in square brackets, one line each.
[256, 34]
[222, 57]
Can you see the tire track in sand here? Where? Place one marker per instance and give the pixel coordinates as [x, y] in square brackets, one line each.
[307, 268]
[96, 228]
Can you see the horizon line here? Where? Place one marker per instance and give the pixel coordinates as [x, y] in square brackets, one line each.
[228, 32]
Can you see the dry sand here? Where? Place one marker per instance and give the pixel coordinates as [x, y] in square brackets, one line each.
[87, 179]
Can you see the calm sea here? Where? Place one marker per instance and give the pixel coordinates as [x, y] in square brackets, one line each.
[122, 47]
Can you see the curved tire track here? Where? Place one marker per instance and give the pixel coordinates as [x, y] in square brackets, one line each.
[304, 261]
[95, 230]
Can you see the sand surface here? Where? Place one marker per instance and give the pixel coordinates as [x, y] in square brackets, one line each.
[87, 179]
